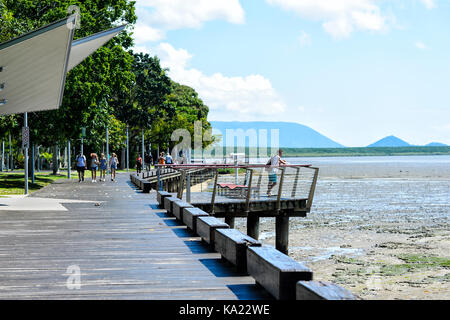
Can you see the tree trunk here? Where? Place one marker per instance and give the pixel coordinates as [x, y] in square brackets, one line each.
[55, 166]
[122, 159]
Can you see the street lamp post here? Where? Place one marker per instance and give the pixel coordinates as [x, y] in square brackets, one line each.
[68, 160]
[107, 149]
[128, 153]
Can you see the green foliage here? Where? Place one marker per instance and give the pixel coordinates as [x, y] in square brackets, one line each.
[113, 87]
[185, 108]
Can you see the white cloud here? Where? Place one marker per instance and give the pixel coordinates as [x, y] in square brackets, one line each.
[420, 45]
[429, 4]
[339, 18]
[250, 95]
[158, 16]
[144, 33]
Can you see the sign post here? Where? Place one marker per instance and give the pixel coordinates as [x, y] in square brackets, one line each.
[83, 134]
[25, 144]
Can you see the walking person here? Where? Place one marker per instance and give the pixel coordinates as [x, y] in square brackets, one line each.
[148, 161]
[274, 162]
[162, 159]
[138, 164]
[103, 164]
[94, 166]
[113, 163]
[81, 166]
[169, 159]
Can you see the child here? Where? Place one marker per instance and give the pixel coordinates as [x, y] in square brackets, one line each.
[103, 167]
[113, 163]
[94, 164]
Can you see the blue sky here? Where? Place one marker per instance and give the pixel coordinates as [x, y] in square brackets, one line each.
[354, 70]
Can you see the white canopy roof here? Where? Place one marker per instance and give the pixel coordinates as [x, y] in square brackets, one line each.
[83, 48]
[33, 67]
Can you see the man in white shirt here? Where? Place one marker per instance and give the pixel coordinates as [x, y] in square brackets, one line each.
[274, 162]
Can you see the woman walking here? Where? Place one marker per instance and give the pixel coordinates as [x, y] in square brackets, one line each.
[103, 165]
[113, 163]
[81, 166]
[94, 166]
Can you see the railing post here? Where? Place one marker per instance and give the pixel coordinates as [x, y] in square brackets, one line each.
[188, 187]
[158, 172]
[181, 184]
[213, 198]
[313, 188]
[280, 190]
[294, 189]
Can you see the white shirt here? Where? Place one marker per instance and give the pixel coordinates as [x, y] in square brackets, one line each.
[275, 161]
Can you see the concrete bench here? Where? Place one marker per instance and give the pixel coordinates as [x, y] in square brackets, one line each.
[206, 227]
[168, 203]
[177, 209]
[232, 245]
[275, 271]
[190, 216]
[160, 195]
[319, 290]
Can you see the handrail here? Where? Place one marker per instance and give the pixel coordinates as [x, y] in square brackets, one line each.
[228, 166]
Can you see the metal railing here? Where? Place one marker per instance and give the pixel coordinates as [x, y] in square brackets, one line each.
[245, 183]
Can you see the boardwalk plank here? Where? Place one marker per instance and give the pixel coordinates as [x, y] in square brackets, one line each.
[124, 247]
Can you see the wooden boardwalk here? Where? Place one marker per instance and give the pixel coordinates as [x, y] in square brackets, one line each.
[124, 246]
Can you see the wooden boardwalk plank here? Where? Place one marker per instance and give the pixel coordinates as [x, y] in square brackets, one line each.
[125, 247]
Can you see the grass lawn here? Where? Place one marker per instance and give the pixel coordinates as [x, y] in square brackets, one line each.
[13, 182]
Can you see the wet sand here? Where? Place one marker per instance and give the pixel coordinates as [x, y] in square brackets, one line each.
[379, 229]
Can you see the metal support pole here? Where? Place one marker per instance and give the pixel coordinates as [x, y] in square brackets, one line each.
[32, 163]
[26, 155]
[143, 144]
[107, 150]
[3, 155]
[10, 162]
[68, 160]
[38, 160]
[128, 153]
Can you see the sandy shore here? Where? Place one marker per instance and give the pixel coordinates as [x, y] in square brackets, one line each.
[381, 231]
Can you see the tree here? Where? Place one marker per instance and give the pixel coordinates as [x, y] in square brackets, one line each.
[91, 86]
[185, 109]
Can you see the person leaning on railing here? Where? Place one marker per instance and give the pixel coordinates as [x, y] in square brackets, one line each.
[274, 162]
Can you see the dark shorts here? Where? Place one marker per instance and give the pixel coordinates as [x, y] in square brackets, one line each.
[273, 178]
[94, 168]
[80, 169]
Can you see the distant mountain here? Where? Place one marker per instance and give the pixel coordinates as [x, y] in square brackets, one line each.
[291, 135]
[436, 144]
[390, 141]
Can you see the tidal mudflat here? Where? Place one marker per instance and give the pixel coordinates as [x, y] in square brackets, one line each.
[379, 226]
